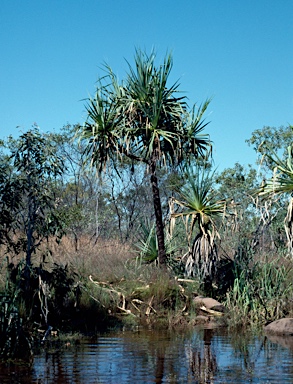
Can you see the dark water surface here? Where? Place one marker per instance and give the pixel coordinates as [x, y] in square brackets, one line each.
[200, 356]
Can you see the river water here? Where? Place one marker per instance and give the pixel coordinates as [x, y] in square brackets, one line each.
[198, 356]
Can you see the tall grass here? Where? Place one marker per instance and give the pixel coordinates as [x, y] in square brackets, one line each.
[104, 259]
[261, 292]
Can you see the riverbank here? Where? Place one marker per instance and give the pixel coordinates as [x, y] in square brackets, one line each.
[97, 287]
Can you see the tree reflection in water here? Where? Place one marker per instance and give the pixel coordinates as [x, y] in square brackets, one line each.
[160, 363]
[202, 361]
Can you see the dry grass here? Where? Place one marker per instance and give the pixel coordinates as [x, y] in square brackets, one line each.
[105, 259]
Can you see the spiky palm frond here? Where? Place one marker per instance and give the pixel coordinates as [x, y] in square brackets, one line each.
[147, 244]
[282, 180]
[198, 201]
[100, 130]
[193, 140]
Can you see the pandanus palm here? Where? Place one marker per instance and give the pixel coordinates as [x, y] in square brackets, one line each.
[145, 121]
[199, 207]
[281, 183]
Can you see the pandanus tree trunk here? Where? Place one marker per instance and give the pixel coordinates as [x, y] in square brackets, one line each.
[158, 215]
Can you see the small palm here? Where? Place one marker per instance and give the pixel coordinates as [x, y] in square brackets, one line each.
[199, 206]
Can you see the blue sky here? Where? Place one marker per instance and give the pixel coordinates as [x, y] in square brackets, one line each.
[238, 52]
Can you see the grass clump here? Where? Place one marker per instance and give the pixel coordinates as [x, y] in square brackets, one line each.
[261, 292]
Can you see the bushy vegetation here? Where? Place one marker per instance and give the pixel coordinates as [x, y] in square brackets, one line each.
[122, 221]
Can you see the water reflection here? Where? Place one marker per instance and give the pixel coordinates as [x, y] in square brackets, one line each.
[200, 356]
[284, 341]
[202, 362]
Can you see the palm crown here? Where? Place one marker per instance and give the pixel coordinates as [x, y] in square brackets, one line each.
[142, 118]
[198, 201]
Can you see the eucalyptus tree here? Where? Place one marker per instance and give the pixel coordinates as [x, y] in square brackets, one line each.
[270, 139]
[9, 197]
[144, 120]
[28, 207]
[199, 206]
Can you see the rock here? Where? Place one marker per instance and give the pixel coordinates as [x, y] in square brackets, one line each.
[280, 327]
[283, 340]
[209, 303]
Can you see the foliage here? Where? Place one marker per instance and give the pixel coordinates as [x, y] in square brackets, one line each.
[199, 207]
[15, 341]
[28, 205]
[29, 215]
[143, 120]
[147, 247]
[281, 183]
[132, 117]
[260, 292]
[270, 139]
[45, 300]
[250, 216]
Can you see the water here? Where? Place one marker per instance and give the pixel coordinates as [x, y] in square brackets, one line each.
[200, 356]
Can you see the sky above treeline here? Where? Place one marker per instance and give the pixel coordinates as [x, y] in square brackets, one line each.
[240, 53]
